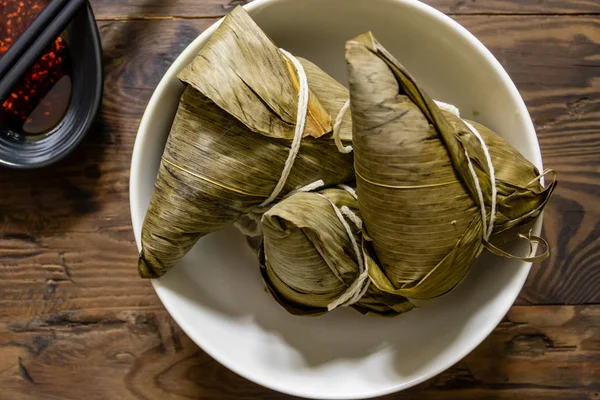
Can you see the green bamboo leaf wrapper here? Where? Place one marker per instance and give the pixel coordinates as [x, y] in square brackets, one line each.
[416, 194]
[243, 72]
[521, 196]
[308, 260]
[222, 159]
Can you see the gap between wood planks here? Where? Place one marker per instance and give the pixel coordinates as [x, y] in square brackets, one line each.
[451, 14]
[155, 17]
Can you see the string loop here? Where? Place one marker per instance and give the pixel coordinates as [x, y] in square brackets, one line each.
[360, 286]
[303, 96]
[488, 227]
[531, 257]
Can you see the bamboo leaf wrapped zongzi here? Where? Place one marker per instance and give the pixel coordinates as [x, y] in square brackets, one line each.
[233, 137]
[312, 261]
[433, 189]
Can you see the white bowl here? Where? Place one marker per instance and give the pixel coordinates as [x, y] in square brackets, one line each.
[216, 294]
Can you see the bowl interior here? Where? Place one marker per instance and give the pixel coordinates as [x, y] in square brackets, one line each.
[216, 294]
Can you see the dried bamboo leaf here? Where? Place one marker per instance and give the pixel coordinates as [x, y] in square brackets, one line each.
[416, 192]
[204, 185]
[417, 212]
[308, 259]
[332, 95]
[521, 195]
[215, 167]
[243, 72]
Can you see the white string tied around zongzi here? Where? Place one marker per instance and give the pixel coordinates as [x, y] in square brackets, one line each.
[303, 96]
[347, 211]
[308, 188]
[359, 287]
[487, 228]
[352, 216]
[349, 189]
[337, 128]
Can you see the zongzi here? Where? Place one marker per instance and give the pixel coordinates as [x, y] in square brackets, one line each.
[433, 189]
[253, 124]
[311, 260]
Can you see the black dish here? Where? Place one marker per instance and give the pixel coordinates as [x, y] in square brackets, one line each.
[86, 96]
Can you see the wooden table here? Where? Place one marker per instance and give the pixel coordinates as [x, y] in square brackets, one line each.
[77, 323]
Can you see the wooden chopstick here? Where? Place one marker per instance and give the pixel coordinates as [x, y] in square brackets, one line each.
[29, 46]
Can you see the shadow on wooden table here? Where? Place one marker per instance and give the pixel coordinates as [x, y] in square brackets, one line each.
[54, 198]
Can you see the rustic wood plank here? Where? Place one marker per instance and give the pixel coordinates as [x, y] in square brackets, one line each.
[66, 241]
[153, 9]
[75, 322]
[76, 213]
[557, 69]
[542, 352]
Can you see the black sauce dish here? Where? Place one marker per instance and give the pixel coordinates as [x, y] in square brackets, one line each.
[86, 79]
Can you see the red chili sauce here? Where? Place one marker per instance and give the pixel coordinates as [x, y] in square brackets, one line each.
[39, 101]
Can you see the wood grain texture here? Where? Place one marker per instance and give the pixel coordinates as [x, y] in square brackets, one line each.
[76, 212]
[67, 243]
[542, 352]
[71, 305]
[556, 67]
[168, 9]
